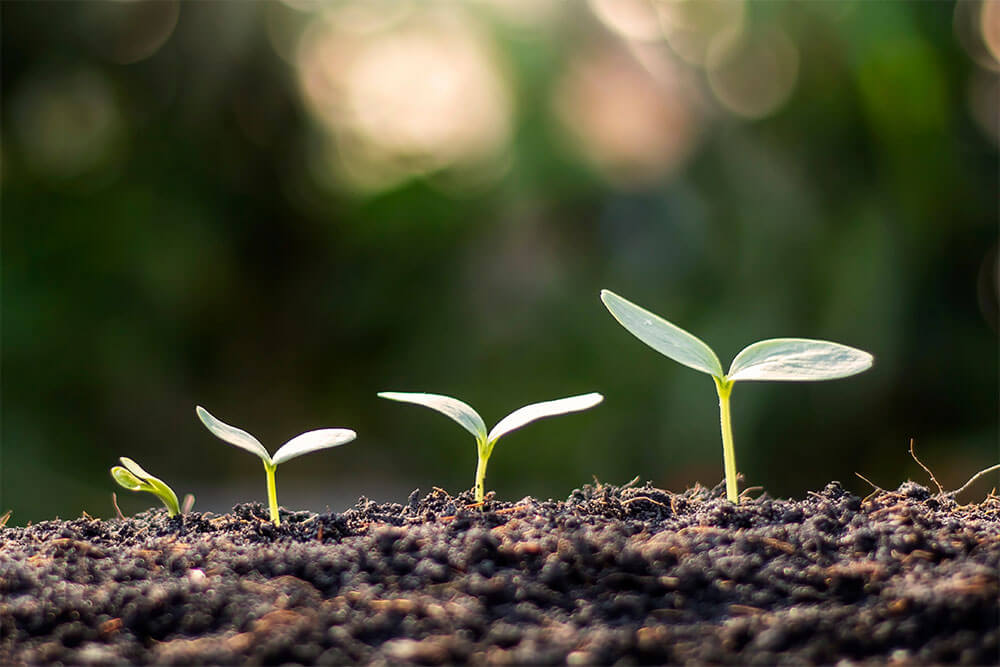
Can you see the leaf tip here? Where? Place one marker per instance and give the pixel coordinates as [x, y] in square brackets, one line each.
[607, 296]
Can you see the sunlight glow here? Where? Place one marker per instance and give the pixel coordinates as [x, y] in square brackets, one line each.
[421, 94]
[631, 126]
[632, 19]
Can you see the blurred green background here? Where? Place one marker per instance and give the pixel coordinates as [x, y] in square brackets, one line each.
[277, 209]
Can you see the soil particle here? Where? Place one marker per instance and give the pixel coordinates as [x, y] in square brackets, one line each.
[611, 575]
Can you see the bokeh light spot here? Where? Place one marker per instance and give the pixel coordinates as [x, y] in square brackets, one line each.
[989, 20]
[977, 28]
[423, 94]
[752, 73]
[130, 31]
[632, 19]
[690, 26]
[66, 123]
[633, 127]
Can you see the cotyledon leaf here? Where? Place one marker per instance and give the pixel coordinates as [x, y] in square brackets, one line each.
[127, 480]
[134, 478]
[312, 441]
[798, 360]
[666, 338]
[134, 468]
[232, 435]
[446, 405]
[530, 413]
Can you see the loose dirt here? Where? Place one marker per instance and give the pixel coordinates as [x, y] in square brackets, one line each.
[612, 575]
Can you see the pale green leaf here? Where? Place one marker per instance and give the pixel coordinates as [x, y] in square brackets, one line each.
[664, 337]
[313, 441]
[127, 479]
[134, 478]
[134, 468]
[454, 408]
[530, 413]
[798, 360]
[232, 435]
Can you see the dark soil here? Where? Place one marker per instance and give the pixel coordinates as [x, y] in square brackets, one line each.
[626, 575]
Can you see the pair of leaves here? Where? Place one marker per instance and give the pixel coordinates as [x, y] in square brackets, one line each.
[134, 478]
[775, 359]
[310, 441]
[473, 423]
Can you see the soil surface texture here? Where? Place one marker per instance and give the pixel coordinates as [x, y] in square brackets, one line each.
[628, 575]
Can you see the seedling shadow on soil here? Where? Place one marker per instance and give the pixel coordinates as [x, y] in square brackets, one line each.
[633, 574]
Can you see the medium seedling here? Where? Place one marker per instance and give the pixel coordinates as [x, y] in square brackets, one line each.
[310, 441]
[134, 478]
[775, 359]
[473, 423]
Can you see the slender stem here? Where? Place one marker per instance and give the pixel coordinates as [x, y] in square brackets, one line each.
[272, 493]
[724, 389]
[484, 449]
[173, 509]
[166, 496]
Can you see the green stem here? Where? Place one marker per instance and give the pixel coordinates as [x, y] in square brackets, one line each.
[484, 449]
[272, 493]
[724, 389]
[167, 497]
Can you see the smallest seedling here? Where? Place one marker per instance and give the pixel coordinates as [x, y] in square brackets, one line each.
[134, 478]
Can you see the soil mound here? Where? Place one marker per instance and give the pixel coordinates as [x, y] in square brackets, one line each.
[612, 574]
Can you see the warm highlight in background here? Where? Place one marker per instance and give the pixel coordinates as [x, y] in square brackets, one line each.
[279, 209]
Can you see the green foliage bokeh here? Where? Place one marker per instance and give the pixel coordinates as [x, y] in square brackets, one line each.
[195, 258]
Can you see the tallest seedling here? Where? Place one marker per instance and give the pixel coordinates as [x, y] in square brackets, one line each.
[775, 359]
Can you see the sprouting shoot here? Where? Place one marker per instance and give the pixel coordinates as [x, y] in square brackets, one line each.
[775, 359]
[131, 476]
[310, 441]
[473, 423]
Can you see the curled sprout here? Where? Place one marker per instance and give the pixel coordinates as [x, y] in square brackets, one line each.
[305, 443]
[473, 423]
[131, 476]
[776, 359]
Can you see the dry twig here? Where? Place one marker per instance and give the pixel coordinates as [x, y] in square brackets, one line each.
[114, 501]
[926, 469]
[635, 498]
[635, 480]
[952, 494]
[873, 485]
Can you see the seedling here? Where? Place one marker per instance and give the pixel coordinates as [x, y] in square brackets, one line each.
[305, 443]
[473, 423]
[134, 478]
[775, 359]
